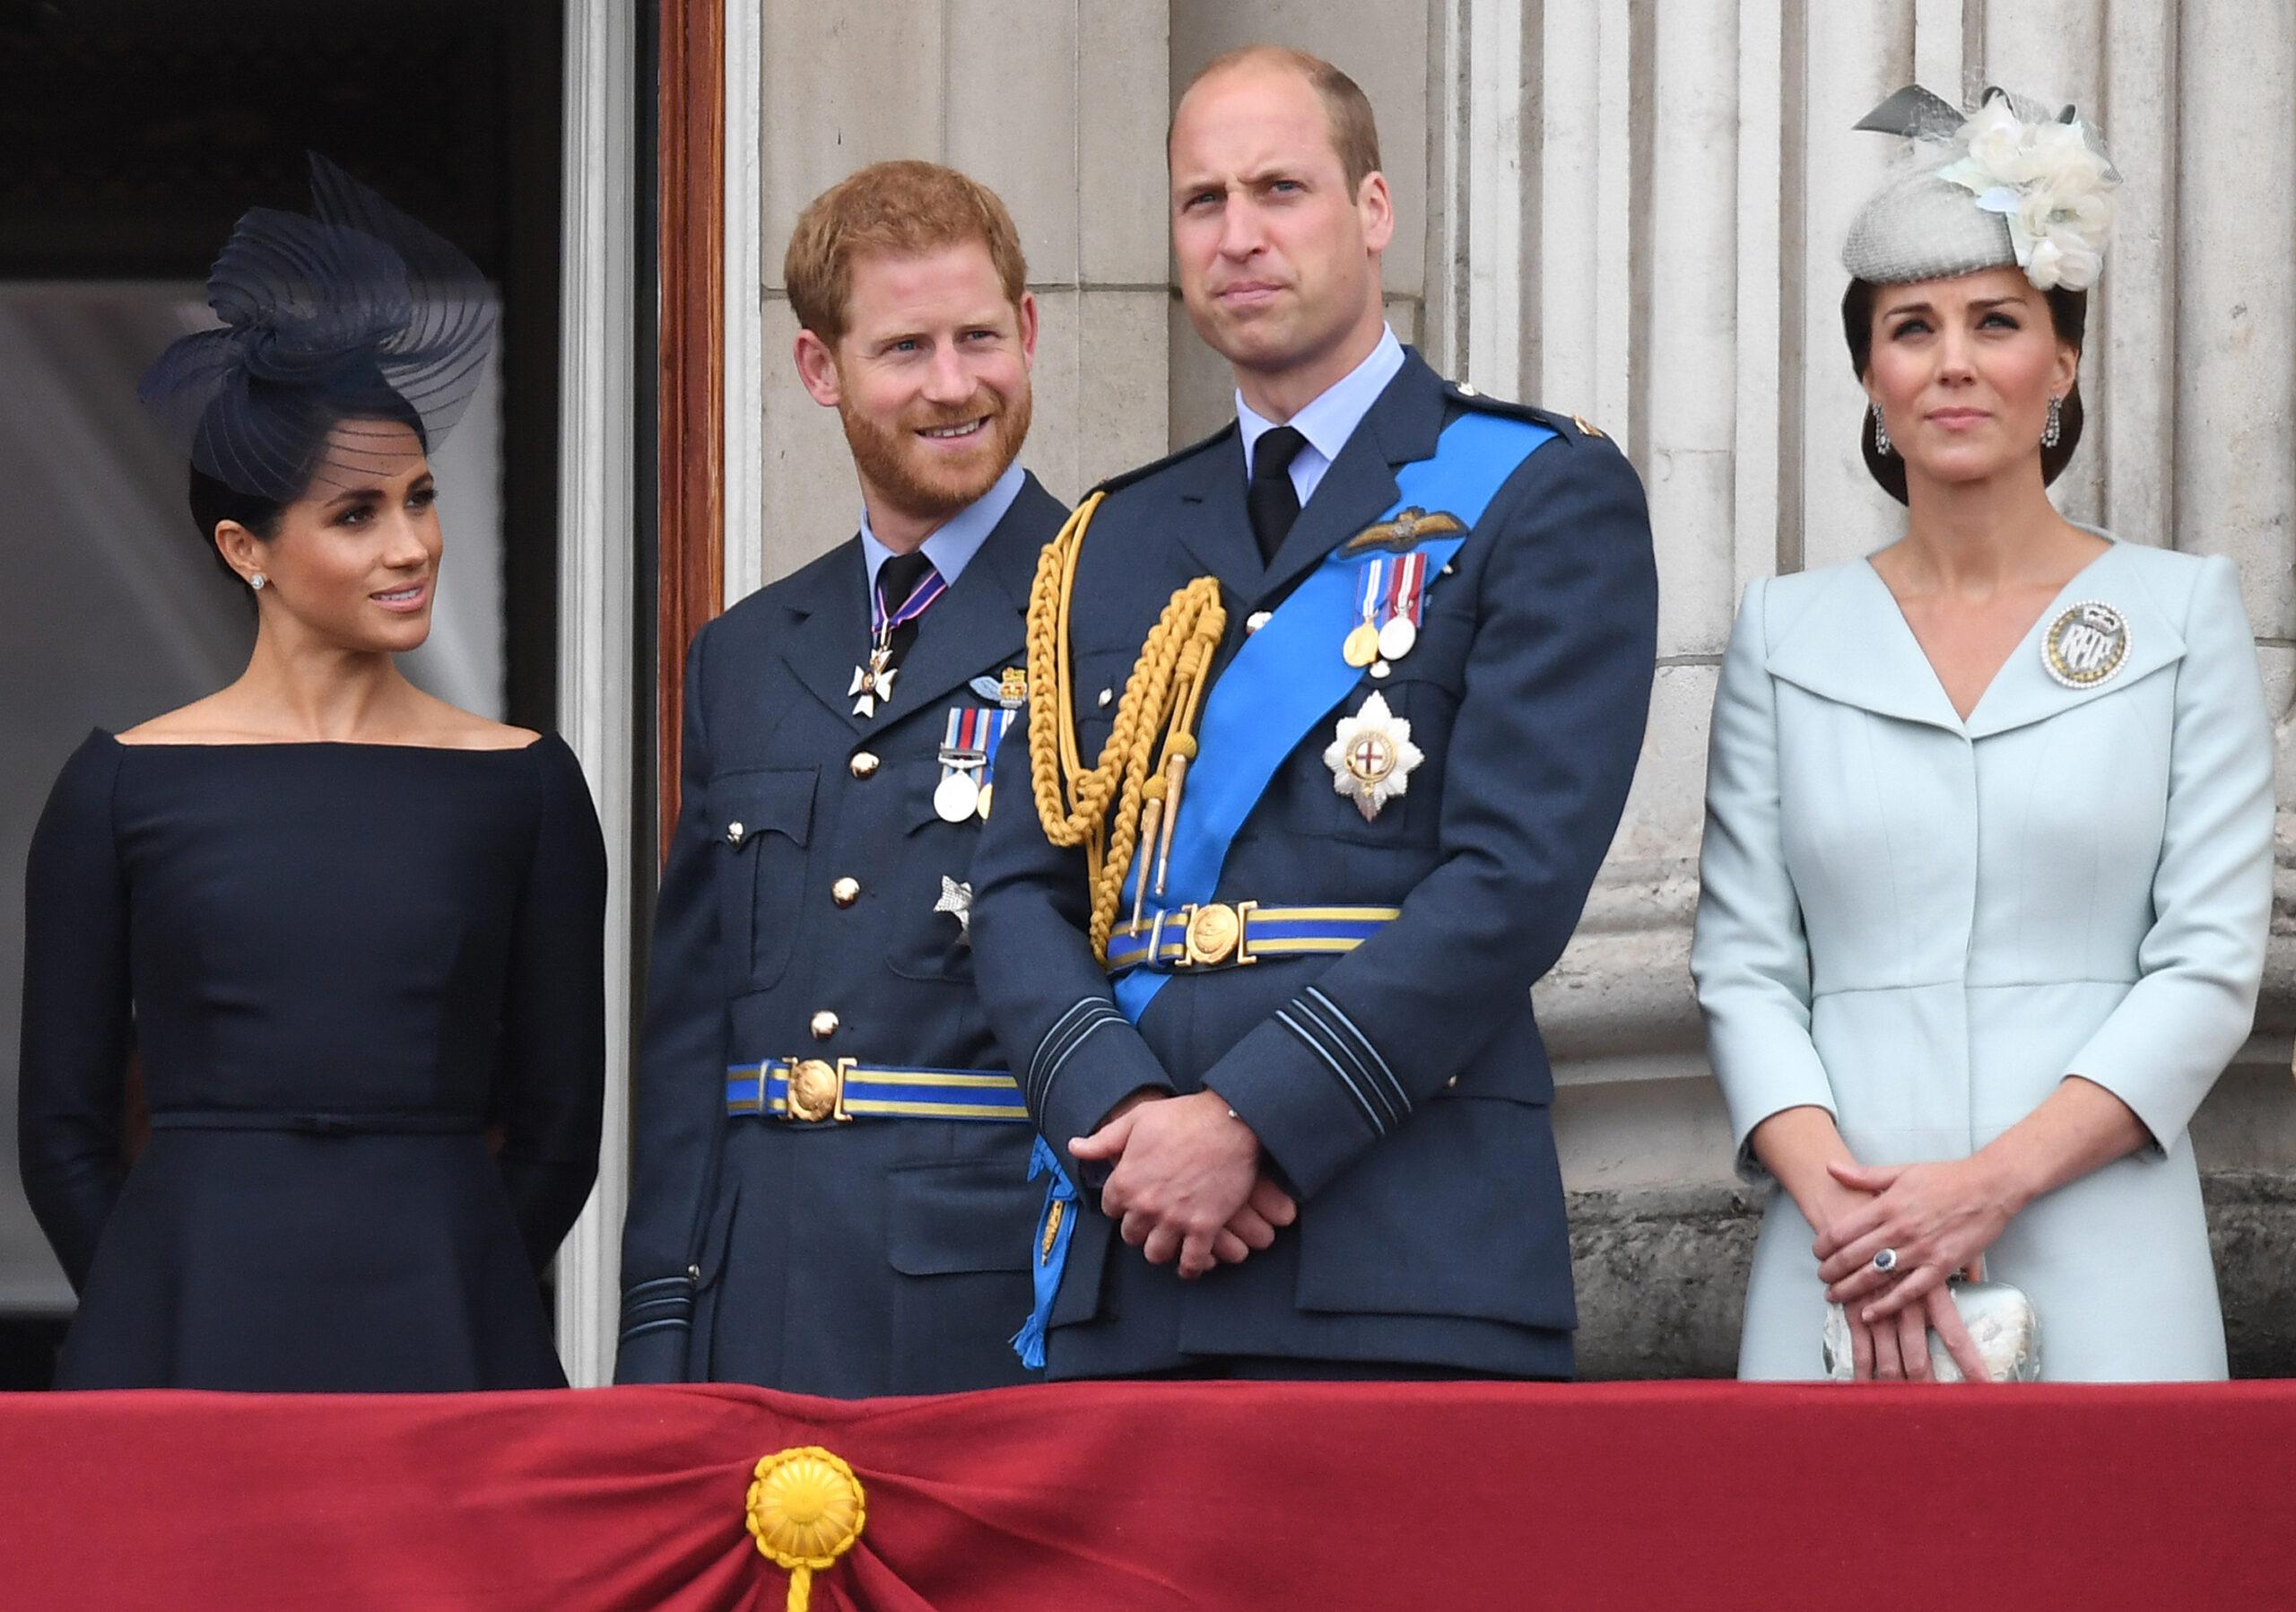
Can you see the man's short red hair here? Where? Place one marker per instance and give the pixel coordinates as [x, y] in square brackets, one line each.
[904, 209]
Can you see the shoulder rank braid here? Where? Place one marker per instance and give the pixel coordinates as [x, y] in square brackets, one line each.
[1117, 796]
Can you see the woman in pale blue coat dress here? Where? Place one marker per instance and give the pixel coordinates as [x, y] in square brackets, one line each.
[1987, 863]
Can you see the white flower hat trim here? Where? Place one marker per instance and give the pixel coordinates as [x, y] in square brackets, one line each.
[2050, 181]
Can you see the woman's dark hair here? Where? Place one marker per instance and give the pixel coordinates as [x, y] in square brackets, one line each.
[309, 420]
[2068, 314]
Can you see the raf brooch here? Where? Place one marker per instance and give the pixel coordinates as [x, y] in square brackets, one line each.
[2086, 645]
[1372, 757]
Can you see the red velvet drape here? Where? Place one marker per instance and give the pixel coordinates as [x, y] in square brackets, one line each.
[1148, 1497]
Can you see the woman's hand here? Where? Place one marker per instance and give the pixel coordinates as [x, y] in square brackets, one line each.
[1940, 1218]
[1873, 1350]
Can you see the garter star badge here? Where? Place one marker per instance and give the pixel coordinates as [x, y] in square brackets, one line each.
[1372, 757]
[2086, 645]
[956, 900]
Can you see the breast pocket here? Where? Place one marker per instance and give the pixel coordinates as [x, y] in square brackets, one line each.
[762, 820]
[926, 942]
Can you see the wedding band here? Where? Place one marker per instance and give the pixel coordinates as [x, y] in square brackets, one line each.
[1886, 1261]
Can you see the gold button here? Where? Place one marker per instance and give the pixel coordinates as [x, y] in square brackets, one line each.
[845, 892]
[863, 764]
[824, 1024]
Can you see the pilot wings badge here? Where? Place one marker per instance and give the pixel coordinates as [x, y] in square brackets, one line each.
[1372, 757]
[1404, 532]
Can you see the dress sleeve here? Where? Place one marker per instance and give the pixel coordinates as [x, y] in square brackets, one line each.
[71, 1082]
[550, 1092]
[1748, 952]
[2202, 962]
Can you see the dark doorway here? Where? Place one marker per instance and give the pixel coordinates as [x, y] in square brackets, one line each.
[133, 133]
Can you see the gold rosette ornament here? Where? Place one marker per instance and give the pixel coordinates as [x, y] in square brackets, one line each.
[806, 1510]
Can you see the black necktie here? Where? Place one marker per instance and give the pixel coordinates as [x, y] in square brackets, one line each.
[897, 578]
[1271, 500]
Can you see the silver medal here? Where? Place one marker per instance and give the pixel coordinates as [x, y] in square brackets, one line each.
[1397, 637]
[956, 797]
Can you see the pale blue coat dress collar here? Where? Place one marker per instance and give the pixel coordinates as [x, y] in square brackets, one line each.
[1851, 642]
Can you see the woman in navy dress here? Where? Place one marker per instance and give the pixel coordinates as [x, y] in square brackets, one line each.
[353, 934]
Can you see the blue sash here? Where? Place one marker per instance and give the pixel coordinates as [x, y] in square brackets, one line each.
[1287, 677]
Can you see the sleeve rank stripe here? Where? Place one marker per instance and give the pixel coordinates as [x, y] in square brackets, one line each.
[1284, 1016]
[1099, 1022]
[635, 1288]
[1077, 1024]
[1332, 1011]
[681, 1323]
[1337, 1044]
[1060, 1027]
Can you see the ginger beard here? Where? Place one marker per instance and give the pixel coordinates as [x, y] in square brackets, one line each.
[933, 483]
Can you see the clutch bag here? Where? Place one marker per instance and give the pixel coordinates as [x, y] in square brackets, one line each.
[2001, 1323]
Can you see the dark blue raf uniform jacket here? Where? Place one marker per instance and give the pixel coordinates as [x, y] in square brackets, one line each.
[880, 1255]
[1430, 1226]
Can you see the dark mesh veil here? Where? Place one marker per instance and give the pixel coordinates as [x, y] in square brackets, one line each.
[332, 322]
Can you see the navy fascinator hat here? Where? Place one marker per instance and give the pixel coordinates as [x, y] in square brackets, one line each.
[355, 314]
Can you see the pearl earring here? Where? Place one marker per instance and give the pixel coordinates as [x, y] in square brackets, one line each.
[256, 581]
[2053, 431]
[1880, 434]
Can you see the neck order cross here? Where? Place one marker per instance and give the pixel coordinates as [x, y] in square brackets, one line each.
[912, 578]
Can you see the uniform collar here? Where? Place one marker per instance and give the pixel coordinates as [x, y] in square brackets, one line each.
[958, 539]
[1337, 409]
[1851, 643]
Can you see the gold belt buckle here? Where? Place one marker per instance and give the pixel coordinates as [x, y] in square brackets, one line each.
[1213, 934]
[816, 1089]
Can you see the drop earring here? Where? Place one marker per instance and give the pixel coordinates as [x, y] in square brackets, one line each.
[1880, 434]
[2053, 431]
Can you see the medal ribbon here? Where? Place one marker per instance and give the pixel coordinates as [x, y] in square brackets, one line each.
[1374, 591]
[921, 598]
[1407, 591]
[968, 742]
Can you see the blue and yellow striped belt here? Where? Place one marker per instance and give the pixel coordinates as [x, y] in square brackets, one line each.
[810, 1090]
[1223, 933]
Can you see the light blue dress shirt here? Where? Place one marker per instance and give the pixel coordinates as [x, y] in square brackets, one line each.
[1330, 420]
[958, 539]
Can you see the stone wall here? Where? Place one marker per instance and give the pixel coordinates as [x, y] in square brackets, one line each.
[1633, 212]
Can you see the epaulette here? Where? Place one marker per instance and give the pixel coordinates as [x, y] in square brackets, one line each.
[1118, 483]
[1570, 428]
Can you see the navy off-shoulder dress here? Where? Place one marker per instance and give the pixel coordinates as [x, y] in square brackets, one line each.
[365, 986]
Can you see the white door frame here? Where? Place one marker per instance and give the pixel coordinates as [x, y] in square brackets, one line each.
[597, 686]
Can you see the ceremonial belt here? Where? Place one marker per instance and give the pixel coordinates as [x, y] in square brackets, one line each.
[812, 1089]
[307, 1122]
[1221, 934]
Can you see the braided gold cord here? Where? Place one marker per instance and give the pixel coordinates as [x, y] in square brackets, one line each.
[1161, 701]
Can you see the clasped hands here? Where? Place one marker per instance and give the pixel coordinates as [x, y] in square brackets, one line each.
[1940, 1218]
[1187, 1180]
